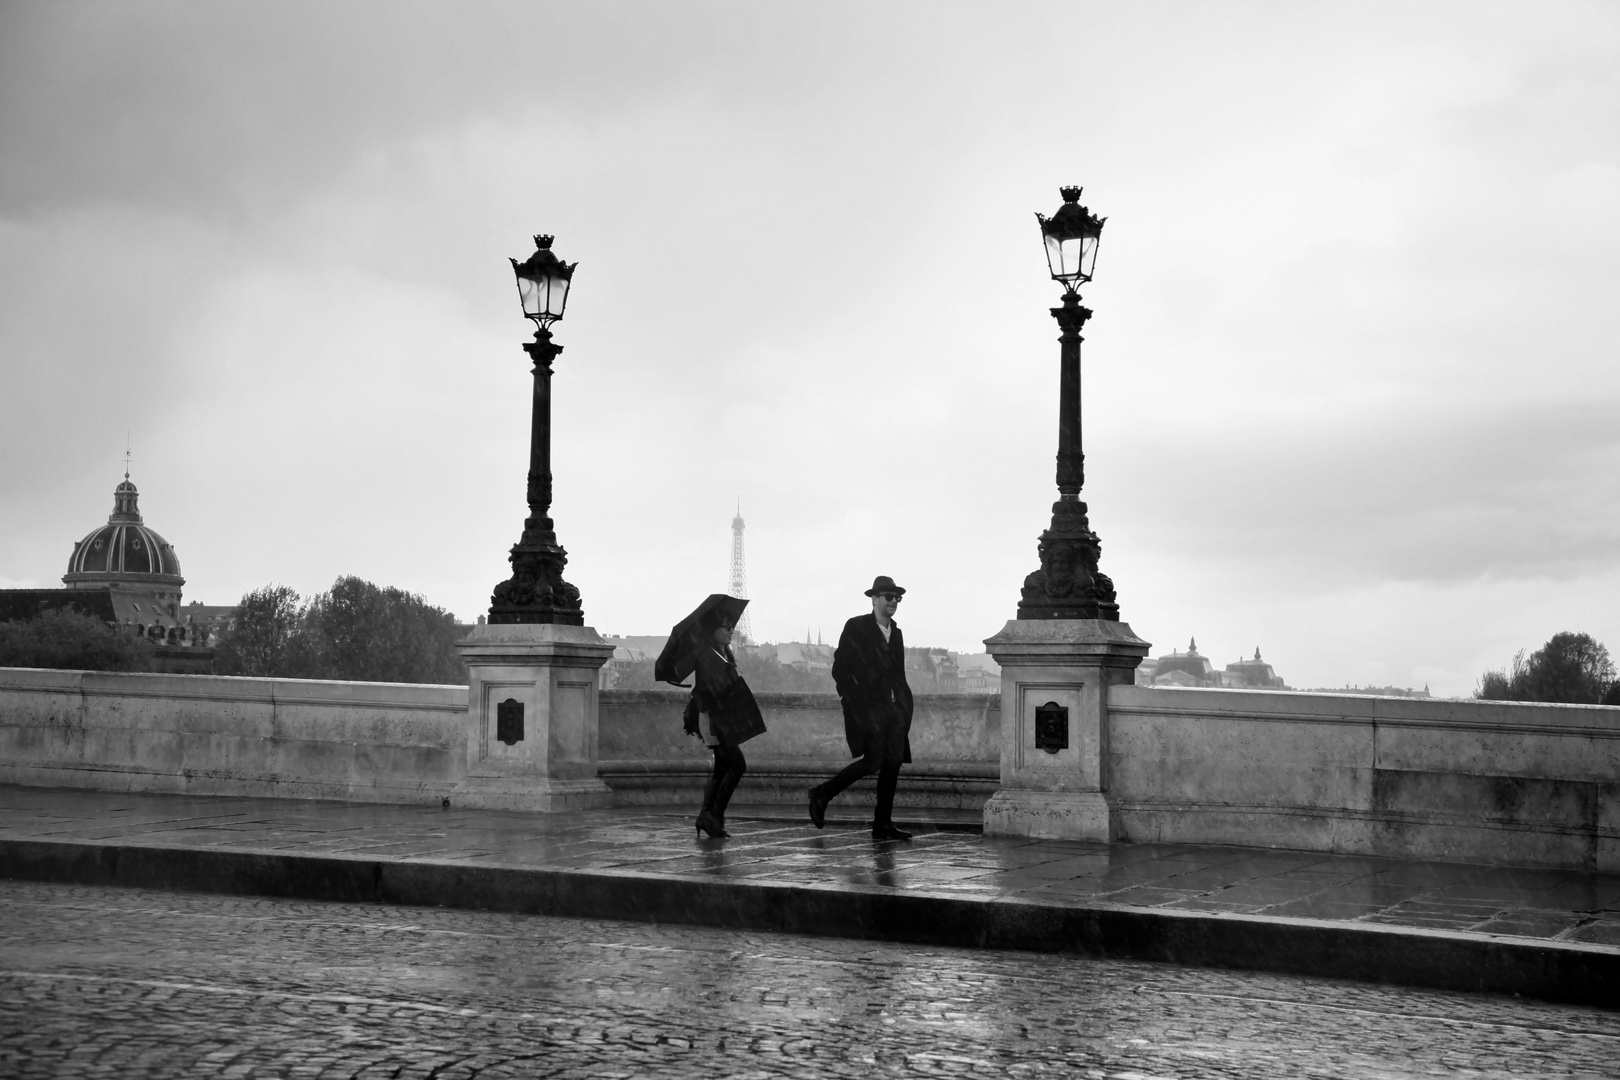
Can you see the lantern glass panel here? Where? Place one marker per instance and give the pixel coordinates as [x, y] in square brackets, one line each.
[529, 293]
[1071, 258]
[1054, 256]
[556, 295]
[1086, 260]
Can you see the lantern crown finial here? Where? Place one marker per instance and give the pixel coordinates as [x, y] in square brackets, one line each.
[543, 241]
[1071, 193]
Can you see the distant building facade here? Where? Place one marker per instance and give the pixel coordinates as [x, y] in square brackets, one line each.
[932, 671]
[978, 672]
[1374, 691]
[803, 655]
[624, 659]
[928, 670]
[1192, 668]
[1253, 674]
[1188, 668]
[206, 623]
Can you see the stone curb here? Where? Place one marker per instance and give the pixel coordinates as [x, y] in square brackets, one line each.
[1439, 959]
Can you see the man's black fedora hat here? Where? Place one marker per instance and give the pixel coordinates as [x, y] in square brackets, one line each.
[883, 583]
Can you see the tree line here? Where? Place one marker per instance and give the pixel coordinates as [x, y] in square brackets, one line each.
[354, 631]
[1572, 668]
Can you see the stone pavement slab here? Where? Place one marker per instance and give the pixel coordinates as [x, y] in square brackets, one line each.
[1552, 934]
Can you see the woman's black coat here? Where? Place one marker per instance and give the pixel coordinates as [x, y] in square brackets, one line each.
[722, 693]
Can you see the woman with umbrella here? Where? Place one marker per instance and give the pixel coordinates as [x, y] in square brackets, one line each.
[722, 711]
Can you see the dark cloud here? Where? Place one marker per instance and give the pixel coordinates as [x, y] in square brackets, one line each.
[214, 108]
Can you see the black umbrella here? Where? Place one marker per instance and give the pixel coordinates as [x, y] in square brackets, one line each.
[693, 633]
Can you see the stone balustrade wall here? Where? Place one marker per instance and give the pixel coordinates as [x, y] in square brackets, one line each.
[1523, 784]
[1493, 781]
[217, 735]
[399, 742]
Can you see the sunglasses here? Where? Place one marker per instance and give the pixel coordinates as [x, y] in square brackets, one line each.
[889, 596]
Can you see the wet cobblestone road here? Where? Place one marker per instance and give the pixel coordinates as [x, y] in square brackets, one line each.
[125, 983]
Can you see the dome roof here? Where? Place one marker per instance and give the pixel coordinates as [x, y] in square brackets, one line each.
[124, 548]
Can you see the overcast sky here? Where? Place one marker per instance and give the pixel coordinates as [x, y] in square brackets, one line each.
[1350, 387]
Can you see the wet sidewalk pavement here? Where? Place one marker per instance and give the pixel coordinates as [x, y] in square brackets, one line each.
[1549, 933]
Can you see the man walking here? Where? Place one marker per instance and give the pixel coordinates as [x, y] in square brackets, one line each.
[869, 668]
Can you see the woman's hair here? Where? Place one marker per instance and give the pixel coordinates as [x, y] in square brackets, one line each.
[715, 621]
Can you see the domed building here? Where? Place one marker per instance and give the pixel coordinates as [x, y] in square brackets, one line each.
[136, 566]
[128, 574]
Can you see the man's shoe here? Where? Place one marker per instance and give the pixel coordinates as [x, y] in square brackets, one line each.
[818, 808]
[887, 831]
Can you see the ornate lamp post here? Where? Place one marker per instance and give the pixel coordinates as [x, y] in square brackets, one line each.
[1068, 585]
[536, 591]
[532, 671]
[1067, 649]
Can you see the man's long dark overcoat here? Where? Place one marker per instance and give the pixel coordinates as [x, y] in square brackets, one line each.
[871, 678]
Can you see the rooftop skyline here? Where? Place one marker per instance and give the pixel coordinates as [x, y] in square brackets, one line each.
[1349, 386]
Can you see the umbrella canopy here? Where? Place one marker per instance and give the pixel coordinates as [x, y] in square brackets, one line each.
[694, 633]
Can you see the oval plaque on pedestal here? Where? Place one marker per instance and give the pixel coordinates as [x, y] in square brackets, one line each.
[509, 721]
[1051, 727]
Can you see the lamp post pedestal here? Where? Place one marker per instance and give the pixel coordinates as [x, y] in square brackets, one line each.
[1055, 675]
[531, 718]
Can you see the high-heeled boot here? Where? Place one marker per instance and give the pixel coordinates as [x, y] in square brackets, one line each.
[706, 820]
[722, 798]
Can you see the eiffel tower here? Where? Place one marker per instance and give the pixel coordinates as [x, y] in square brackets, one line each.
[739, 576]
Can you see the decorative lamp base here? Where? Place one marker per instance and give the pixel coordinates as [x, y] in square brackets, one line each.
[1068, 585]
[536, 591]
